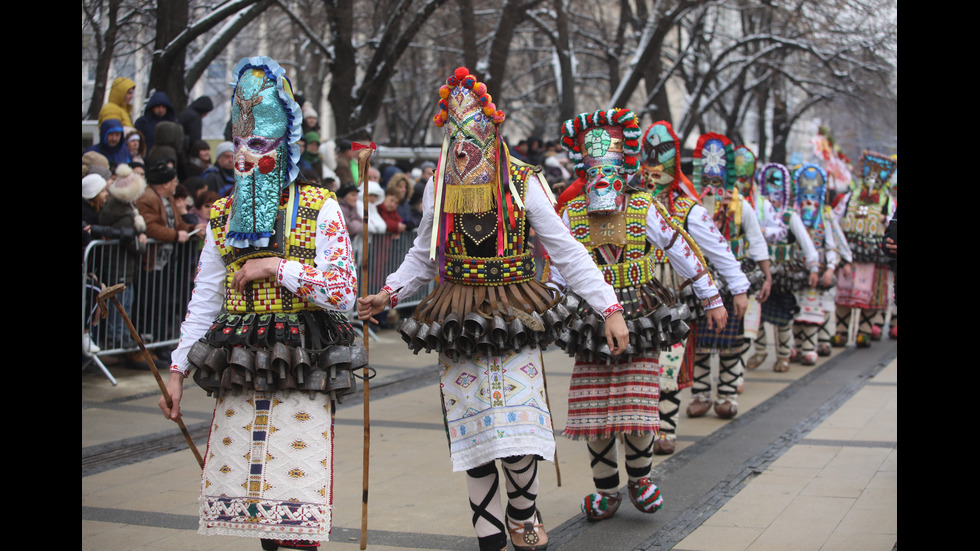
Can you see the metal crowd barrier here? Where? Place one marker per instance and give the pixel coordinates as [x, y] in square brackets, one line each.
[159, 299]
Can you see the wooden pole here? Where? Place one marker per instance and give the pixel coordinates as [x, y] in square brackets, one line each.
[111, 292]
[363, 165]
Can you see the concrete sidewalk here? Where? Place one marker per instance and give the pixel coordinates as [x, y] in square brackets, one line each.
[809, 463]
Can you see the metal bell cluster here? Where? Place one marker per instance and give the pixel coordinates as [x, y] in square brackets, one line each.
[866, 249]
[477, 334]
[789, 277]
[653, 327]
[320, 356]
[752, 272]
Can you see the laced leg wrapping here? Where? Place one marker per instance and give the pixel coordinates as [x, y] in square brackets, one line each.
[730, 372]
[521, 474]
[702, 374]
[604, 463]
[784, 340]
[806, 335]
[670, 403]
[483, 485]
[639, 455]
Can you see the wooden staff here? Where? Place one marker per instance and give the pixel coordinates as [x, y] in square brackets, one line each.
[363, 165]
[547, 401]
[111, 292]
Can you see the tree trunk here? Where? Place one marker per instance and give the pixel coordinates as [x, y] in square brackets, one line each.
[106, 46]
[167, 71]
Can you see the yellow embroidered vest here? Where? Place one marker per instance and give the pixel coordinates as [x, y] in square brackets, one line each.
[298, 210]
[636, 267]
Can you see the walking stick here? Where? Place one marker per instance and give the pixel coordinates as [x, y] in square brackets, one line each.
[363, 164]
[547, 401]
[111, 292]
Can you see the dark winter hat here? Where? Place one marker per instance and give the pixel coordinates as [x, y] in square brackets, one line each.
[342, 192]
[160, 172]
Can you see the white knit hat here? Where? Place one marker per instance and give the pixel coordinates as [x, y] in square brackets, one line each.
[92, 185]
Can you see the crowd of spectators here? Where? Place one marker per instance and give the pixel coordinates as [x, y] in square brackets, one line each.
[179, 175]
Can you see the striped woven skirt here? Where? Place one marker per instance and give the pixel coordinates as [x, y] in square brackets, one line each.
[268, 470]
[604, 400]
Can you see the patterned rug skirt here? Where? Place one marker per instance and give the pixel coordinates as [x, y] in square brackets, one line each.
[867, 288]
[779, 309]
[729, 341]
[495, 407]
[605, 400]
[268, 470]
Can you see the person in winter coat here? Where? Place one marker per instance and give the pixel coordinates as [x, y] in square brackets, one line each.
[120, 104]
[120, 212]
[157, 109]
[111, 143]
[169, 146]
[191, 120]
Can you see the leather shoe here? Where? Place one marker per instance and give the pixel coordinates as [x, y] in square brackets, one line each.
[529, 535]
[663, 445]
[893, 333]
[600, 506]
[756, 360]
[781, 365]
[810, 358]
[823, 349]
[726, 408]
[839, 340]
[645, 495]
[699, 406]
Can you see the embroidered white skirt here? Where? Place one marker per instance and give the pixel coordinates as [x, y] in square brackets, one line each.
[268, 470]
[494, 407]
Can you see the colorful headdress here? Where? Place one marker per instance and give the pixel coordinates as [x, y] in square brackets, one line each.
[776, 184]
[605, 148]
[810, 191]
[266, 124]
[714, 164]
[473, 174]
[660, 162]
[876, 170]
[744, 170]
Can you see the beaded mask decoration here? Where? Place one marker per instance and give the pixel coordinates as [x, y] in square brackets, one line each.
[810, 191]
[776, 184]
[266, 124]
[744, 170]
[714, 165]
[876, 171]
[604, 146]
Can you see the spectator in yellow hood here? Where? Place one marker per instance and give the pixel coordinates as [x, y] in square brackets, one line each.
[120, 104]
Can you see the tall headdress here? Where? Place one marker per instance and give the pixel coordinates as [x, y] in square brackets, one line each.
[266, 124]
[714, 165]
[810, 191]
[473, 174]
[776, 184]
[605, 148]
[876, 171]
[745, 172]
[660, 162]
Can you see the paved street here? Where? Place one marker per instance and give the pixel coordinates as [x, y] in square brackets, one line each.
[811, 462]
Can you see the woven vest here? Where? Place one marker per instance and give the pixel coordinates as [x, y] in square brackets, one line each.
[471, 245]
[297, 243]
[636, 267]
